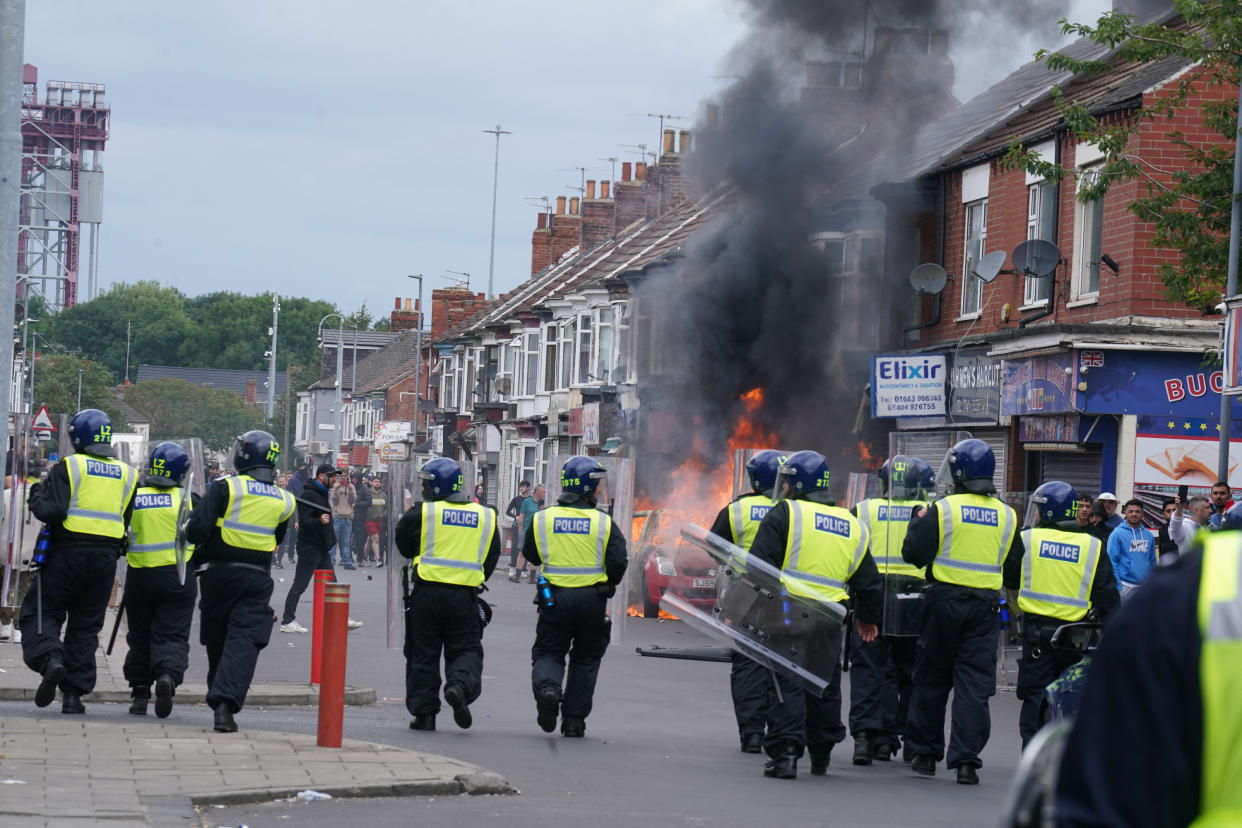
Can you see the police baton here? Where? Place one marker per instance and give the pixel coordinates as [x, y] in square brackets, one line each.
[120, 610]
[849, 641]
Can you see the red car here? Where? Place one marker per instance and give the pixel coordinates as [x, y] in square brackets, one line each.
[668, 563]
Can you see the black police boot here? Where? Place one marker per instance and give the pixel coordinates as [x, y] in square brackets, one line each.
[71, 703]
[163, 696]
[456, 698]
[752, 743]
[967, 775]
[573, 727]
[863, 748]
[884, 747]
[53, 672]
[907, 752]
[548, 704]
[140, 695]
[819, 761]
[423, 721]
[784, 766]
[924, 765]
[224, 719]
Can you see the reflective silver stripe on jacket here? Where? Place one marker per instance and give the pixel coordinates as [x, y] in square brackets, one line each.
[1225, 617]
[601, 538]
[167, 546]
[737, 520]
[1084, 589]
[945, 556]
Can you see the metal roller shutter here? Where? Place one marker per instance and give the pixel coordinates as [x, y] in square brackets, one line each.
[933, 445]
[1082, 470]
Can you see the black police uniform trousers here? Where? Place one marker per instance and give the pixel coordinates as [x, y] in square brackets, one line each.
[799, 719]
[577, 625]
[76, 583]
[235, 624]
[1039, 666]
[881, 681]
[751, 687]
[957, 652]
[159, 610]
[308, 561]
[442, 618]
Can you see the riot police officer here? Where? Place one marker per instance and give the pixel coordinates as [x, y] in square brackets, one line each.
[1154, 740]
[584, 558]
[454, 546]
[158, 606]
[1064, 576]
[85, 502]
[882, 671]
[819, 548]
[970, 545]
[749, 683]
[236, 529]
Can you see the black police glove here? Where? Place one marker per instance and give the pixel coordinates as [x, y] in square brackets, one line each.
[606, 590]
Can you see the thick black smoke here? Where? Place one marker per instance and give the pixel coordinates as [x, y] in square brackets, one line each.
[752, 304]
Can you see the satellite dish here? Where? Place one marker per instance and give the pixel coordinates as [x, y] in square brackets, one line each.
[990, 265]
[1036, 258]
[928, 278]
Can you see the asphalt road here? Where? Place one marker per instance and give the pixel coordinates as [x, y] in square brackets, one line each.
[661, 745]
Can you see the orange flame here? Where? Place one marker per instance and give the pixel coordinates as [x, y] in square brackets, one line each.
[635, 611]
[868, 458]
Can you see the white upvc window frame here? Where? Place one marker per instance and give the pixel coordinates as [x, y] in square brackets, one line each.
[974, 245]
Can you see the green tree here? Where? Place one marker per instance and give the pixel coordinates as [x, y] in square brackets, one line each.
[1189, 205]
[56, 386]
[175, 408]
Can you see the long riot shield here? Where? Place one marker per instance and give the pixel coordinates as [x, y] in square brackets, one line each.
[400, 491]
[1030, 801]
[798, 637]
[198, 462]
[615, 496]
[183, 517]
[917, 473]
[19, 528]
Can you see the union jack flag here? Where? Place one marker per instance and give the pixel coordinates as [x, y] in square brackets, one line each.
[1091, 359]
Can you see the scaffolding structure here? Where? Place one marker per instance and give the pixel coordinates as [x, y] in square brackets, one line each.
[63, 139]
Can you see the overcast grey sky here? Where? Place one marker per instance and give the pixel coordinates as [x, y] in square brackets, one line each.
[326, 150]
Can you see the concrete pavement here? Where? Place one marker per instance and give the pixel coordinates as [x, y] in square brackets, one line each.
[58, 770]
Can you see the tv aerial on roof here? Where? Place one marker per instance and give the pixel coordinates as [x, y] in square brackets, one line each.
[987, 268]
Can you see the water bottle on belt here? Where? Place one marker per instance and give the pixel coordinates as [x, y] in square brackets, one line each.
[544, 588]
[1004, 613]
[43, 545]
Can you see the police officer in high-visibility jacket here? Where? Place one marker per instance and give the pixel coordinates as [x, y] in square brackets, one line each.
[584, 558]
[970, 545]
[749, 683]
[1065, 575]
[1156, 734]
[158, 607]
[454, 546]
[236, 529]
[85, 502]
[882, 671]
[820, 548]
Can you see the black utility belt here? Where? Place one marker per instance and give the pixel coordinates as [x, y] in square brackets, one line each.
[239, 565]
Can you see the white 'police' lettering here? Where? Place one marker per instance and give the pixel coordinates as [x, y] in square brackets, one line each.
[256, 487]
[1058, 551]
[459, 517]
[98, 469]
[153, 501]
[980, 516]
[835, 525]
[571, 526]
[896, 514]
[759, 512]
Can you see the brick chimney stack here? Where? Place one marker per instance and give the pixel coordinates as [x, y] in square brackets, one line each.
[540, 245]
[599, 216]
[630, 197]
[566, 229]
[403, 318]
[251, 385]
[452, 306]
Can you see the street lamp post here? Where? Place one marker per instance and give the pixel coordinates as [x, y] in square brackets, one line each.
[79, 408]
[491, 261]
[418, 360]
[340, 365]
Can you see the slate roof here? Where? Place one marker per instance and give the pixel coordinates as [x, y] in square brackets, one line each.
[632, 248]
[382, 368]
[224, 379]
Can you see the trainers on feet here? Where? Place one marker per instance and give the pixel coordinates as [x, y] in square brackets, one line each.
[293, 627]
[351, 624]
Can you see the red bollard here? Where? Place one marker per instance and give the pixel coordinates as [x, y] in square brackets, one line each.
[335, 641]
[322, 576]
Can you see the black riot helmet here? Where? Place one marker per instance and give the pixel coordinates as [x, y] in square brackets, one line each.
[255, 453]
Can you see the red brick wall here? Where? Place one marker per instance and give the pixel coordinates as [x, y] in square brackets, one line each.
[540, 245]
[599, 221]
[1136, 290]
[403, 319]
[452, 306]
[566, 235]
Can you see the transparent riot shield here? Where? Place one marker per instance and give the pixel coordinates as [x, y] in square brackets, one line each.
[1030, 801]
[917, 472]
[19, 528]
[796, 636]
[198, 462]
[400, 491]
[741, 478]
[131, 449]
[614, 495]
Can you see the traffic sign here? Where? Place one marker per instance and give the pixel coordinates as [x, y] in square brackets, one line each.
[42, 420]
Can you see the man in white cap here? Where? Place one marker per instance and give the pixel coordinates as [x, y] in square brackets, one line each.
[1109, 501]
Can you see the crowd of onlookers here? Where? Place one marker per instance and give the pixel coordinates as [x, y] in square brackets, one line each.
[1133, 548]
[359, 512]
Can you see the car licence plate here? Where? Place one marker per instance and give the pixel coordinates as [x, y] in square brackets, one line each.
[704, 583]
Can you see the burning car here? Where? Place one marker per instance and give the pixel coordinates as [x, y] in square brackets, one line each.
[666, 563]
